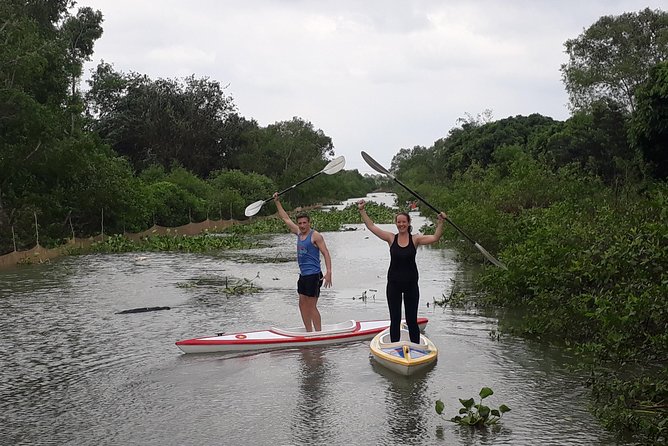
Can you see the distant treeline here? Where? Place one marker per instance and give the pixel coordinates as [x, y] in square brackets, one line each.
[130, 152]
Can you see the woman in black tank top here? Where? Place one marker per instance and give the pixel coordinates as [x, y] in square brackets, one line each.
[402, 261]
[402, 276]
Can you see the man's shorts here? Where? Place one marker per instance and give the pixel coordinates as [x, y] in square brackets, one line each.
[310, 284]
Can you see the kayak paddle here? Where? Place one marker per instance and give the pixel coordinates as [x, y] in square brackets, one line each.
[332, 167]
[378, 168]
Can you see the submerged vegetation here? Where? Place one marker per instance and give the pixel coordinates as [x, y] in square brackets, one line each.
[182, 243]
[321, 220]
[229, 286]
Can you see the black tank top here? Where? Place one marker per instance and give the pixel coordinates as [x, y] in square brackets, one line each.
[402, 262]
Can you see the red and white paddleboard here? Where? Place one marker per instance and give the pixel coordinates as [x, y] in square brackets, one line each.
[275, 338]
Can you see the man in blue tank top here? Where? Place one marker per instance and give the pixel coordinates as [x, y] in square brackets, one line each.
[310, 244]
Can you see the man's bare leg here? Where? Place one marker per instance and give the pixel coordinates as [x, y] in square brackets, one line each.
[315, 314]
[310, 314]
[305, 311]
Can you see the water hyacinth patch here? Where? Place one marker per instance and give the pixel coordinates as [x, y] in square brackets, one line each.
[475, 415]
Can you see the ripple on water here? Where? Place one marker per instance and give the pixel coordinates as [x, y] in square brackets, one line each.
[75, 372]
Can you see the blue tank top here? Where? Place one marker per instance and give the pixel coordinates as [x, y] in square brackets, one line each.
[308, 256]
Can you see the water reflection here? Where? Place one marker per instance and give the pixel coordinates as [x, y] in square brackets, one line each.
[310, 423]
[488, 435]
[406, 406]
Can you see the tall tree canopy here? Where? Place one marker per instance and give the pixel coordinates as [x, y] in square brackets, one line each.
[475, 143]
[613, 56]
[70, 172]
[286, 152]
[50, 168]
[594, 139]
[159, 122]
[649, 126]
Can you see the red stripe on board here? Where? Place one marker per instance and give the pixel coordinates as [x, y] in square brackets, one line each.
[422, 321]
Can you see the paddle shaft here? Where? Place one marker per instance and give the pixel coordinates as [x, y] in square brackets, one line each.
[295, 185]
[332, 167]
[435, 210]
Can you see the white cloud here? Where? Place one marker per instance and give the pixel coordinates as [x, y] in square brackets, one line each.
[373, 75]
[180, 54]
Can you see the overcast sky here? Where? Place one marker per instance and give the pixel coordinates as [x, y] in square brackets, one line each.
[375, 75]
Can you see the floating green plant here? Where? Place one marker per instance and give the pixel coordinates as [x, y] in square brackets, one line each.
[225, 285]
[239, 287]
[197, 243]
[476, 415]
[324, 221]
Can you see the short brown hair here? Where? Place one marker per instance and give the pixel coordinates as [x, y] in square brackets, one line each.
[303, 215]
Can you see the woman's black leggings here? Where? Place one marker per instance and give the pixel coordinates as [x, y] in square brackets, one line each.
[411, 297]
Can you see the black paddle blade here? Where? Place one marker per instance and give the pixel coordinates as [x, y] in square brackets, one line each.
[490, 257]
[375, 165]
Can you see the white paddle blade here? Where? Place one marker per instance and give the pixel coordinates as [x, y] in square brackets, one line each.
[253, 208]
[334, 165]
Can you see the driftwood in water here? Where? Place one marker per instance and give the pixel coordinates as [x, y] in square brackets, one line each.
[143, 310]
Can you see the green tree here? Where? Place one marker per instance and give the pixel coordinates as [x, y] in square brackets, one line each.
[163, 121]
[39, 153]
[284, 148]
[172, 205]
[80, 33]
[32, 91]
[475, 144]
[345, 184]
[236, 189]
[236, 138]
[595, 139]
[286, 152]
[649, 126]
[613, 56]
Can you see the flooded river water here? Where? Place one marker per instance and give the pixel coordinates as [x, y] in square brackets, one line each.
[76, 373]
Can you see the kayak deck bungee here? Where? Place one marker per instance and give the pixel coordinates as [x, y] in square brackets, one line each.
[403, 357]
[276, 338]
